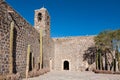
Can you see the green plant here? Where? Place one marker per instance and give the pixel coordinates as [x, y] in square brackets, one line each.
[11, 48]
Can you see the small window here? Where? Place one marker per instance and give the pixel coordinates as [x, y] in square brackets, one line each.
[48, 23]
[39, 40]
[47, 17]
[39, 16]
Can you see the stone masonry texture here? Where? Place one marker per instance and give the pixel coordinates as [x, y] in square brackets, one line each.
[72, 49]
[24, 34]
[55, 50]
[44, 24]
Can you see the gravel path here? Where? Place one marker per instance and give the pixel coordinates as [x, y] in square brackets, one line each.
[67, 75]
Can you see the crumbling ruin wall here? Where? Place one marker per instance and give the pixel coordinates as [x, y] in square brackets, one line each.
[24, 34]
[72, 49]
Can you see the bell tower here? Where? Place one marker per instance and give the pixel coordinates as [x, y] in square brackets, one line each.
[42, 21]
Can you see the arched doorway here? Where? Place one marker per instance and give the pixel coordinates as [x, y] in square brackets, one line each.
[14, 55]
[30, 62]
[66, 65]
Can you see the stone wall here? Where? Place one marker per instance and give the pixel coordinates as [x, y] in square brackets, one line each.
[55, 50]
[52, 55]
[42, 22]
[48, 47]
[24, 34]
[72, 49]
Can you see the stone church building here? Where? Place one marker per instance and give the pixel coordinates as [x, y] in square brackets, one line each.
[65, 53]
